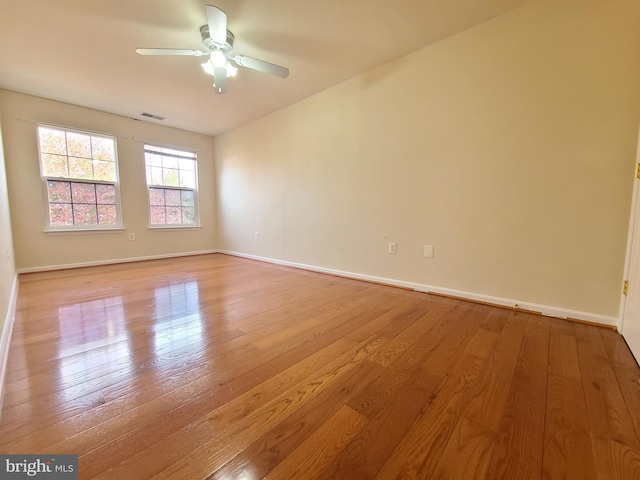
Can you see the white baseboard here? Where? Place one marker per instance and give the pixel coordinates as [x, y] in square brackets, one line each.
[48, 268]
[504, 302]
[5, 336]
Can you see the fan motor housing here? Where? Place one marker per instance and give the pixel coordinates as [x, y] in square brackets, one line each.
[211, 45]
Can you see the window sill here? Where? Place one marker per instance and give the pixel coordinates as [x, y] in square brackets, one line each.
[174, 227]
[83, 231]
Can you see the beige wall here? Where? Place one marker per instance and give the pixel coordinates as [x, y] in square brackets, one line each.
[509, 147]
[36, 249]
[7, 266]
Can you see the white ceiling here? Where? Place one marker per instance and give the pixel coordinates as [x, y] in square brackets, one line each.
[83, 51]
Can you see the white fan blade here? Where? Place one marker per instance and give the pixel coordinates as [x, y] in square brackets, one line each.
[261, 66]
[220, 79]
[217, 21]
[168, 51]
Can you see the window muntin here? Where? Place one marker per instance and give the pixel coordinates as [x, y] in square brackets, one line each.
[172, 186]
[80, 172]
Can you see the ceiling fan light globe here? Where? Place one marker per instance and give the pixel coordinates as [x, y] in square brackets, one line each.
[231, 70]
[207, 67]
[218, 58]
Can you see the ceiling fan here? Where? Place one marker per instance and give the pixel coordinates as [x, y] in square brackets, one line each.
[218, 42]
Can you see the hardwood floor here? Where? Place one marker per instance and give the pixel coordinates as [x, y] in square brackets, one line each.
[224, 368]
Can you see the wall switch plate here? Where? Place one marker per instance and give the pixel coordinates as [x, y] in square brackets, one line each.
[428, 251]
[393, 248]
[132, 236]
[257, 236]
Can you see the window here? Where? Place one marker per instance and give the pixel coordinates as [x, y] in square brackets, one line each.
[172, 182]
[80, 173]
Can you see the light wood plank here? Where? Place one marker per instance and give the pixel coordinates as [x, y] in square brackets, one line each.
[608, 413]
[563, 350]
[615, 461]
[418, 453]
[567, 447]
[273, 447]
[315, 453]
[519, 446]
[467, 454]
[489, 395]
[369, 450]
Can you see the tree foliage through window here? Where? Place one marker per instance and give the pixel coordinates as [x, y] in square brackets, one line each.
[172, 183]
[80, 171]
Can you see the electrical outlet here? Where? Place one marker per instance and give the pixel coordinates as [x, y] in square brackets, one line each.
[257, 236]
[428, 251]
[132, 236]
[393, 248]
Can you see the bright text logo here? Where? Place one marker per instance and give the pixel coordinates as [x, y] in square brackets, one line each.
[50, 467]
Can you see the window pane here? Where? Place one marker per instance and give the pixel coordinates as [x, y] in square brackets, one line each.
[170, 178]
[174, 215]
[52, 141]
[83, 193]
[185, 164]
[59, 192]
[106, 195]
[157, 216]
[156, 196]
[188, 215]
[60, 215]
[103, 148]
[78, 145]
[172, 198]
[154, 160]
[187, 179]
[107, 215]
[156, 176]
[80, 168]
[85, 214]
[170, 162]
[54, 166]
[187, 199]
[105, 171]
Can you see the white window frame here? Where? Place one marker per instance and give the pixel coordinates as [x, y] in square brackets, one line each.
[49, 228]
[171, 152]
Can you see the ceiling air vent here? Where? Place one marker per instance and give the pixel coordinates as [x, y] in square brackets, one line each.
[151, 115]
